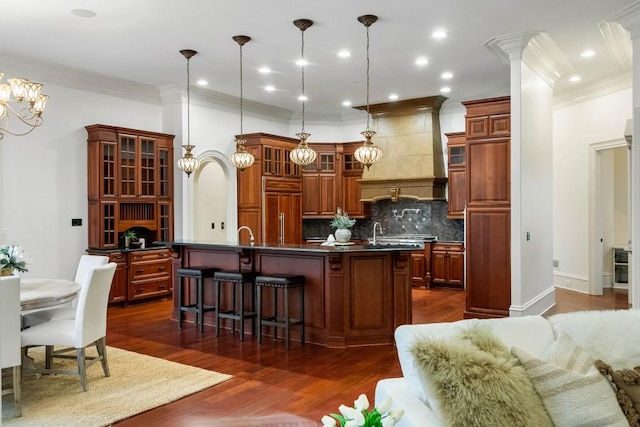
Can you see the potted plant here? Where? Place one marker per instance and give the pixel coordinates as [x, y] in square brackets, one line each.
[130, 239]
[342, 223]
[12, 258]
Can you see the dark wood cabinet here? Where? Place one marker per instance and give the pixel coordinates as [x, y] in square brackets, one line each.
[447, 261]
[488, 223]
[457, 176]
[130, 186]
[421, 267]
[320, 185]
[270, 191]
[149, 273]
[351, 188]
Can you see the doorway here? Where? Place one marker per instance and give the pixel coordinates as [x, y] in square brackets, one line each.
[212, 211]
[609, 219]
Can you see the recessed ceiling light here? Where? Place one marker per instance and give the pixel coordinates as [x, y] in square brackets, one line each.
[302, 62]
[202, 82]
[439, 34]
[587, 54]
[447, 75]
[575, 79]
[264, 70]
[302, 98]
[445, 89]
[346, 103]
[83, 13]
[393, 97]
[269, 88]
[344, 53]
[422, 61]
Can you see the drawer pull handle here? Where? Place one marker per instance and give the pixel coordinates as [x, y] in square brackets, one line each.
[162, 287]
[162, 268]
[139, 290]
[139, 271]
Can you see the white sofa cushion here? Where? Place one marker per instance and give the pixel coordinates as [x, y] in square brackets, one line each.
[531, 333]
[609, 335]
[573, 391]
[416, 412]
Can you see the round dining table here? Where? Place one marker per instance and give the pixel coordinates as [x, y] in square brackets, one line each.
[42, 293]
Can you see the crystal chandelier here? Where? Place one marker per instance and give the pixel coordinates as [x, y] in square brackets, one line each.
[241, 159]
[303, 154]
[368, 154]
[20, 98]
[188, 163]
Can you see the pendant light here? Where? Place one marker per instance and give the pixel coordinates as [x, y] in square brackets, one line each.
[303, 154]
[241, 159]
[368, 154]
[188, 163]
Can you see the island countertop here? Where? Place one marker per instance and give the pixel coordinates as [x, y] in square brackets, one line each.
[310, 247]
[355, 295]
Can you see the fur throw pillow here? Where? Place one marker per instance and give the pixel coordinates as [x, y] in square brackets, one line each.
[477, 381]
[626, 383]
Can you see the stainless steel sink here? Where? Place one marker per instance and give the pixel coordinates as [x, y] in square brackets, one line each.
[404, 239]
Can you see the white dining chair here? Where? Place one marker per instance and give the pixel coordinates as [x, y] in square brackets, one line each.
[87, 328]
[68, 310]
[10, 334]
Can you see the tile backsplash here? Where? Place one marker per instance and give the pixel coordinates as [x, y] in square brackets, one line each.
[402, 217]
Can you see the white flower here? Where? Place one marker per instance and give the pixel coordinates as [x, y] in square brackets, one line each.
[384, 406]
[388, 422]
[362, 403]
[352, 414]
[353, 423]
[396, 413]
[328, 421]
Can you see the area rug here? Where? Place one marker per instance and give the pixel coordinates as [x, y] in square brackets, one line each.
[137, 383]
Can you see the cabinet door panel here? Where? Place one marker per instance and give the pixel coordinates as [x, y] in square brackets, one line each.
[456, 268]
[271, 223]
[311, 194]
[457, 193]
[488, 173]
[327, 195]
[438, 267]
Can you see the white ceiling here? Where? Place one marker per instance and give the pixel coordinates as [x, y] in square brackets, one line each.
[140, 41]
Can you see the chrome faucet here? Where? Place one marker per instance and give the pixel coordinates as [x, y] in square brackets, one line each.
[374, 231]
[246, 227]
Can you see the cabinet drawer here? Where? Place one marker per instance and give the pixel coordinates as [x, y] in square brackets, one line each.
[148, 270]
[150, 255]
[118, 257]
[149, 288]
[447, 247]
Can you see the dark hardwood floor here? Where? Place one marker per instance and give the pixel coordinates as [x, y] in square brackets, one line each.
[275, 387]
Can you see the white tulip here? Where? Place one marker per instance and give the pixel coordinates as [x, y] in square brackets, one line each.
[388, 422]
[352, 423]
[328, 421]
[396, 413]
[384, 406]
[362, 403]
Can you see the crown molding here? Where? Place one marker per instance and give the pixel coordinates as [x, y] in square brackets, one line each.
[57, 74]
[546, 59]
[170, 94]
[509, 47]
[618, 41]
[629, 18]
[593, 89]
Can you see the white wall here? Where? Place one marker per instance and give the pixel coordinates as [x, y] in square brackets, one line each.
[575, 128]
[209, 202]
[44, 175]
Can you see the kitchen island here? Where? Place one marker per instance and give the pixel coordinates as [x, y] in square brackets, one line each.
[355, 295]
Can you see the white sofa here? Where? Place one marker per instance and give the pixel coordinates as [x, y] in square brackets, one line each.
[611, 335]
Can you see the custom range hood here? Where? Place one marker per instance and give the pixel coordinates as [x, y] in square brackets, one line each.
[412, 166]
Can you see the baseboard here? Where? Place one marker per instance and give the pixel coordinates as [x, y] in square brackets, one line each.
[538, 305]
[572, 282]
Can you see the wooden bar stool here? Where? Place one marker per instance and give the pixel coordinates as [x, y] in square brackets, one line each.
[238, 280]
[286, 282]
[198, 274]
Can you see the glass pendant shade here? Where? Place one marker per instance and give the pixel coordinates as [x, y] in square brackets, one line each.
[241, 159]
[188, 163]
[368, 154]
[303, 154]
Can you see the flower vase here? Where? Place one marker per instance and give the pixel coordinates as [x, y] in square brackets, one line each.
[343, 235]
[6, 271]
